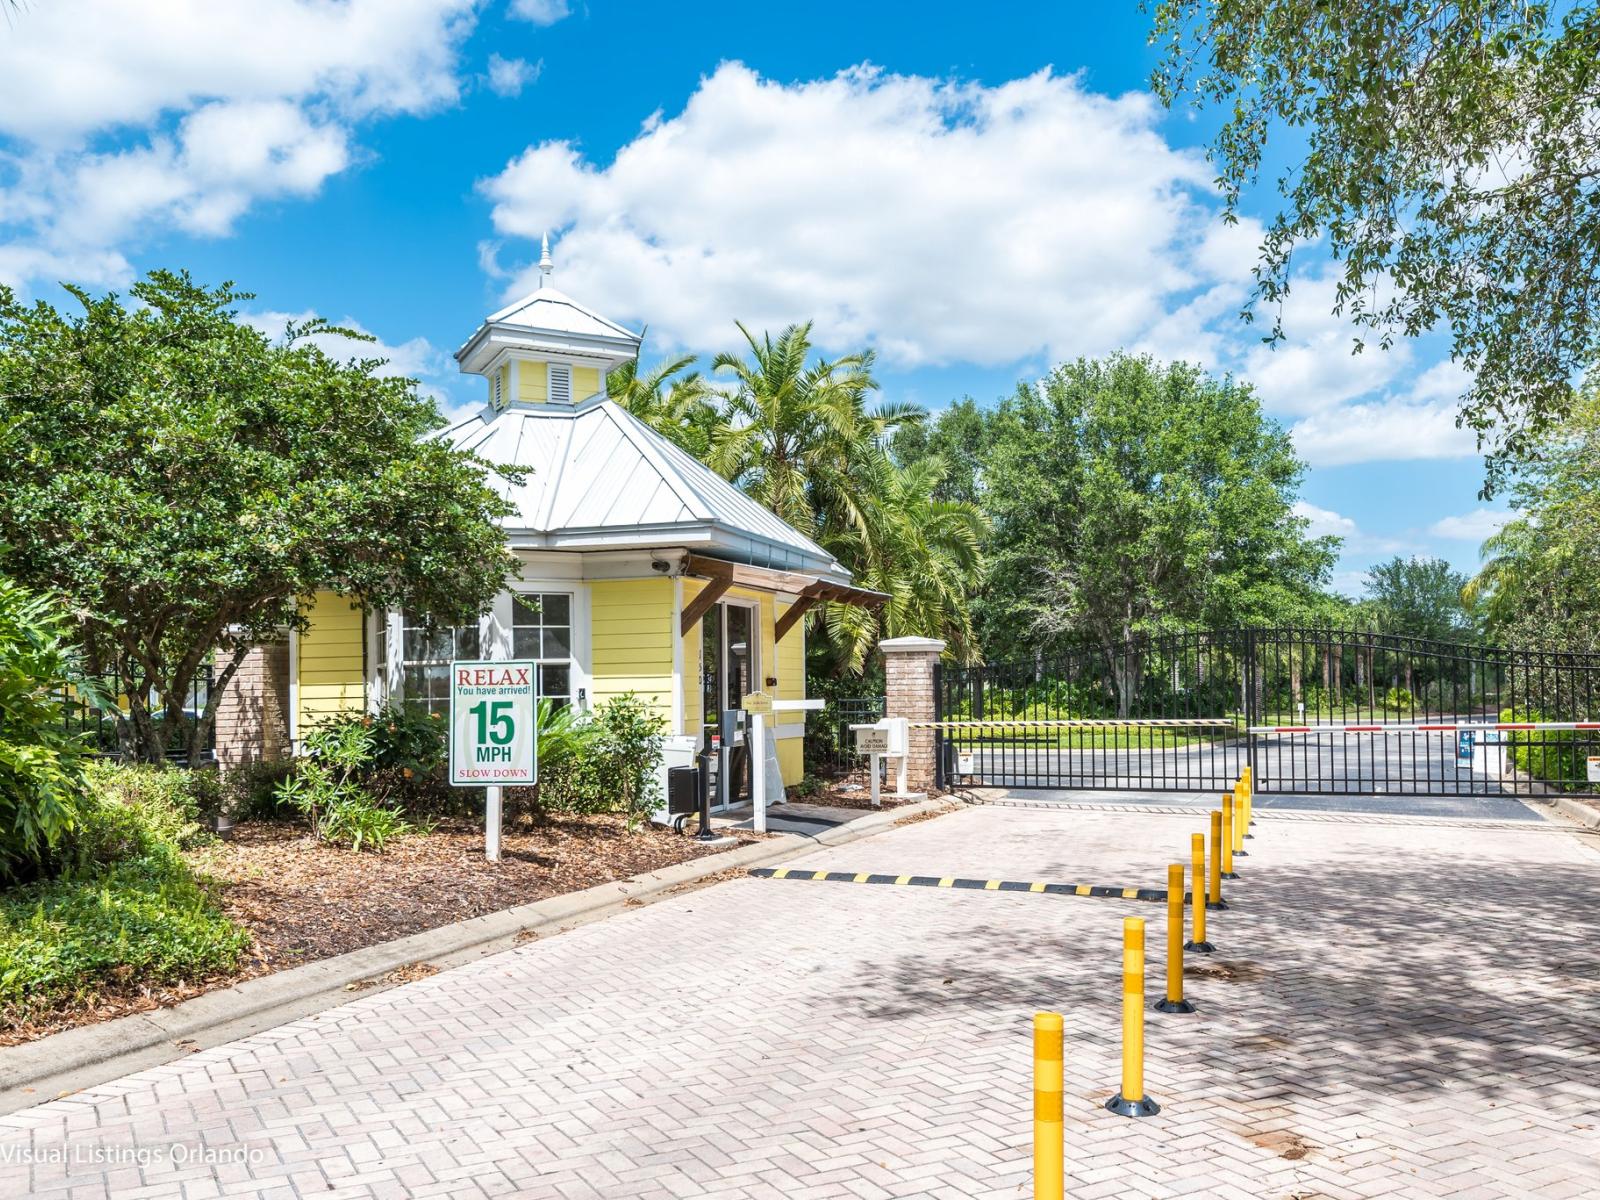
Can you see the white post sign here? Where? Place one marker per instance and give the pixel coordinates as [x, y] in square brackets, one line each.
[493, 739]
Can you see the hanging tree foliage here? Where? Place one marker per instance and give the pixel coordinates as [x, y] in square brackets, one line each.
[184, 483]
[1450, 160]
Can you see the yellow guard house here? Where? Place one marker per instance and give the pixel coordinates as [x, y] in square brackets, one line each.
[639, 569]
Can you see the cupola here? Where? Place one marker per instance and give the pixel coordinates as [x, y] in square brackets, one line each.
[546, 348]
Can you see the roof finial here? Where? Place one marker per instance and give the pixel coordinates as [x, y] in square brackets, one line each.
[546, 264]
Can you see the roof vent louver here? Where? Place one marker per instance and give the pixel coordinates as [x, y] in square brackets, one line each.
[560, 383]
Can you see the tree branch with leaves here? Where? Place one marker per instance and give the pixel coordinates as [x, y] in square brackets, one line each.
[185, 484]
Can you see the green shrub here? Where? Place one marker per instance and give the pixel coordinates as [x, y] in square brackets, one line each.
[250, 791]
[41, 765]
[603, 761]
[144, 918]
[136, 807]
[329, 787]
[407, 738]
[1399, 699]
[403, 762]
[1556, 756]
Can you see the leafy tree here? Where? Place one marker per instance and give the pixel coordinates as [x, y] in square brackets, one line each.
[792, 429]
[1419, 597]
[676, 405]
[1539, 585]
[184, 483]
[958, 437]
[923, 551]
[1131, 497]
[1448, 154]
[41, 763]
[795, 433]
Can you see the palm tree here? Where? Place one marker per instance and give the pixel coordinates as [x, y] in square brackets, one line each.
[924, 552]
[792, 430]
[680, 409]
[1500, 589]
[797, 436]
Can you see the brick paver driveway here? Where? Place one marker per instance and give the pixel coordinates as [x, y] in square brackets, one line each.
[1399, 1008]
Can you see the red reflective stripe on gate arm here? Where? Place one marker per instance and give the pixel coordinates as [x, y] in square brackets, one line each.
[1586, 725]
[1291, 729]
[1521, 725]
[1363, 728]
[1432, 728]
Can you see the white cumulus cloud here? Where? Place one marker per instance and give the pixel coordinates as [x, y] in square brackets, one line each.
[541, 12]
[938, 221]
[1475, 526]
[119, 122]
[1324, 521]
[1382, 431]
[508, 76]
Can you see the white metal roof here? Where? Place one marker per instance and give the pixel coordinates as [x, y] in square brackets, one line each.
[599, 478]
[557, 312]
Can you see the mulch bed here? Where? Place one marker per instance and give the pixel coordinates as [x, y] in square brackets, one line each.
[853, 793]
[303, 901]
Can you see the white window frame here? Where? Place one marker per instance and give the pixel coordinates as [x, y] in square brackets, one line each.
[578, 694]
[392, 670]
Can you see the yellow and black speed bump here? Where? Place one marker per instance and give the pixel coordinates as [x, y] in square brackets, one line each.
[1153, 895]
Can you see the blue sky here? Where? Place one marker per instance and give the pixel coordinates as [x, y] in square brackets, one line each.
[974, 197]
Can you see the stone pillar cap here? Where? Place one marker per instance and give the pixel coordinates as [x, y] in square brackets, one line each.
[905, 645]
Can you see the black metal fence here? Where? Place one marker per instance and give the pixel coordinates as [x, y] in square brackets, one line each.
[1276, 676]
[100, 724]
[829, 745]
[1189, 676]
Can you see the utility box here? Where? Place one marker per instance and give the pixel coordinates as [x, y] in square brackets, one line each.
[872, 739]
[683, 791]
[891, 736]
[677, 753]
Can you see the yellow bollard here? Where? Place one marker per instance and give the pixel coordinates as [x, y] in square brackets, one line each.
[1173, 1001]
[1227, 836]
[1214, 900]
[1131, 1101]
[1238, 824]
[1197, 903]
[1249, 807]
[1049, 1138]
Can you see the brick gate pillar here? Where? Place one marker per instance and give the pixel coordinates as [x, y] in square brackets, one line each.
[908, 692]
[253, 714]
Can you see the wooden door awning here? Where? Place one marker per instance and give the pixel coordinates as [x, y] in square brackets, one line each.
[809, 590]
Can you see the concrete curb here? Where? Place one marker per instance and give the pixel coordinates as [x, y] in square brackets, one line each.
[91, 1054]
[1575, 811]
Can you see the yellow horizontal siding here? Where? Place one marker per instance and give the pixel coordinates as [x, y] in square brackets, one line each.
[585, 382]
[693, 701]
[630, 640]
[533, 382]
[791, 670]
[331, 662]
[791, 760]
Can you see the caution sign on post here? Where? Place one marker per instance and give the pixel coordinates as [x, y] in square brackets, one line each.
[493, 739]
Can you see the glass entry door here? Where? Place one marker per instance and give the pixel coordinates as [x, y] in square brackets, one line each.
[728, 671]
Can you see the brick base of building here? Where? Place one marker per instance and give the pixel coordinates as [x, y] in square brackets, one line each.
[253, 714]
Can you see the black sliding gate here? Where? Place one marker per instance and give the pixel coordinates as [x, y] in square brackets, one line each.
[1187, 712]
